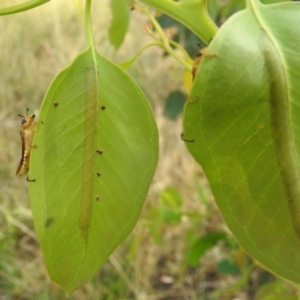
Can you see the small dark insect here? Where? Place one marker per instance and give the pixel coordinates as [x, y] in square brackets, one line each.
[30, 180]
[48, 222]
[186, 140]
[100, 151]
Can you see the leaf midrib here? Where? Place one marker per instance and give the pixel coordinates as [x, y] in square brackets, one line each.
[279, 104]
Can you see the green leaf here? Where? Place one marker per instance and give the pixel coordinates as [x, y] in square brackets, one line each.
[201, 245]
[193, 14]
[274, 291]
[170, 204]
[22, 7]
[227, 267]
[244, 119]
[174, 104]
[120, 21]
[171, 197]
[95, 156]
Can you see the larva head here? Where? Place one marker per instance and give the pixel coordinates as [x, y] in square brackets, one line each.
[27, 120]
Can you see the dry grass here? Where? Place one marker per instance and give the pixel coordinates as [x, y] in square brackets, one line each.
[35, 46]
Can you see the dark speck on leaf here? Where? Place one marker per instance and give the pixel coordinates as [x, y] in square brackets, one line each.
[48, 222]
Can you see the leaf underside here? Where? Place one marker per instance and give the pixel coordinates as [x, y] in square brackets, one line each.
[244, 119]
[95, 156]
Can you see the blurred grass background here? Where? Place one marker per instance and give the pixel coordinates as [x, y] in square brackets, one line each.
[180, 248]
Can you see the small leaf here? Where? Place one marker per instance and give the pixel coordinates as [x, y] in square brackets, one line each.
[120, 21]
[174, 104]
[241, 258]
[194, 254]
[170, 204]
[171, 197]
[95, 156]
[187, 80]
[227, 267]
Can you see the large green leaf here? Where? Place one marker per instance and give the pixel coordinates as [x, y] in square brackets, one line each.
[192, 13]
[244, 118]
[95, 156]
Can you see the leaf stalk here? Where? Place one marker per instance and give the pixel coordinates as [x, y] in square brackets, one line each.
[22, 7]
[88, 28]
[166, 43]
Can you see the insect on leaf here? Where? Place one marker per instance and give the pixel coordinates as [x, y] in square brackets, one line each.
[95, 157]
[28, 125]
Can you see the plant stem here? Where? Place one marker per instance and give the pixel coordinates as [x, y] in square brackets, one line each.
[130, 61]
[186, 55]
[165, 40]
[22, 7]
[88, 28]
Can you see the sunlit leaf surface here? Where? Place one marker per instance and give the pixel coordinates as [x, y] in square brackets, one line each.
[244, 118]
[95, 156]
